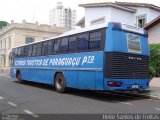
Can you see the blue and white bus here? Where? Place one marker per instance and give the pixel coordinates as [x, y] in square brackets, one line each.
[100, 57]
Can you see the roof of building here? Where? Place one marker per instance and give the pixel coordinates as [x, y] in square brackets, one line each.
[121, 5]
[107, 4]
[152, 23]
[32, 26]
[130, 4]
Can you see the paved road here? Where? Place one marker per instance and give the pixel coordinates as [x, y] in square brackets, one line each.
[34, 99]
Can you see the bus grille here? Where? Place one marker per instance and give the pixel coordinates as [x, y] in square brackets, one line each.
[126, 66]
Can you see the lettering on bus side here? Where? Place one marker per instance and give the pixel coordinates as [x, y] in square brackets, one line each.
[87, 59]
[71, 61]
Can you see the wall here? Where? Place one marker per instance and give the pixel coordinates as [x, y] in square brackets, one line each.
[152, 14]
[154, 34]
[94, 13]
[121, 16]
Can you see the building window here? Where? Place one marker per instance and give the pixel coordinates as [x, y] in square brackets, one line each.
[29, 40]
[9, 43]
[141, 21]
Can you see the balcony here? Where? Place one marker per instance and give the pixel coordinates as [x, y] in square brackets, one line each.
[2, 51]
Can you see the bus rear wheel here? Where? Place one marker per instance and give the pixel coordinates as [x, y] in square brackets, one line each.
[60, 83]
[19, 79]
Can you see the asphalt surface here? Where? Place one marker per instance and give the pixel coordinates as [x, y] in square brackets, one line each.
[34, 99]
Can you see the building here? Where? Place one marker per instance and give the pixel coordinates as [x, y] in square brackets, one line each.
[153, 28]
[135, 14]
[62, 17]
[23, 33]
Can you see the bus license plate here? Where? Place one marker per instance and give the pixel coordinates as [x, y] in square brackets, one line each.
[135, 86]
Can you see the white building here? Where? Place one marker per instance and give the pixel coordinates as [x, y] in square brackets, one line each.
[135, 14]
[153, 28]
[62, 17]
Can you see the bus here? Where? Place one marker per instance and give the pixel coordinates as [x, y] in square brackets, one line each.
[111, 56]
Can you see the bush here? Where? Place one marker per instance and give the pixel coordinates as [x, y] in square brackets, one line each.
[154, 65]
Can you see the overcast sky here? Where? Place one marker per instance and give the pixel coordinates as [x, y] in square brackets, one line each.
[38, 10]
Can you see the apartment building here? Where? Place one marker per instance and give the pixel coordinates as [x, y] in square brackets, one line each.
[17, 34]
[62, 17]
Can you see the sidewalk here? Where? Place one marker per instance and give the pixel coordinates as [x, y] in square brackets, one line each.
[5, 72]
[155, 88]
[155, 82]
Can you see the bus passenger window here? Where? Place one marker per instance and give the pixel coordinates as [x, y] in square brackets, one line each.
[14, 52]
[64, 45]
[19, 51]
[29, 50]
[95, 40]
[25, 51]
[39, 49]
[72, 44]
[50, 47]
[83, 42]
[44, 48]
[34, 50]
[22, 52]
[56, 46]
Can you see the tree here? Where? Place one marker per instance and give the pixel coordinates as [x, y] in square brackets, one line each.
[3, 23]
[154, 65]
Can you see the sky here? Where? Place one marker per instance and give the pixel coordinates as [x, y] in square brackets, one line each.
[38, 10]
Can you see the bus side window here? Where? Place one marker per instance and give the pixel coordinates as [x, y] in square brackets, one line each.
[39, 49]
[19, 51]
[22, 52]
[44, 48]
[64, 45]
[50, 47]
[72, 44]
[83, 41]
[95, 40]
[56, 46]
[29, 50]
[14, 52]
[34, 50]
[25, 51]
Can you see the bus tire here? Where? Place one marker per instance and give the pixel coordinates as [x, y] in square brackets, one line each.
[19, 78]
[60, 84]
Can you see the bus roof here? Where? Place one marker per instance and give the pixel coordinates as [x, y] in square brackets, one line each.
[94, 27]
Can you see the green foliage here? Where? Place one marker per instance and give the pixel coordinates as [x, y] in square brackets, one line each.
[154, 65]
[2, 24]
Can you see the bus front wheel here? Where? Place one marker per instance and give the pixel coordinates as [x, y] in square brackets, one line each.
[19, 79]
[60, 83]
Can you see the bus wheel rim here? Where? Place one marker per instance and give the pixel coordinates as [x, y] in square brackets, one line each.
[59, 82]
